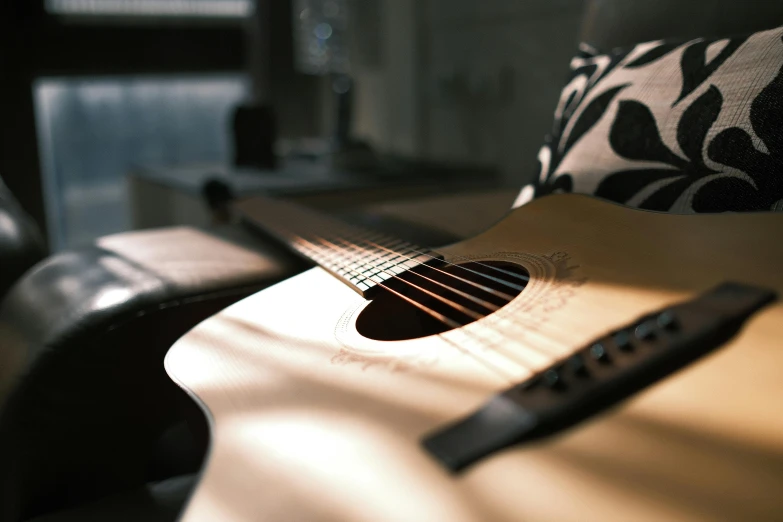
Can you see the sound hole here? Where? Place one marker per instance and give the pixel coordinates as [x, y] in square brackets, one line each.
[438, 299]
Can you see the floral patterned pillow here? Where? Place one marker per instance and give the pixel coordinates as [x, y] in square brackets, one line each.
[672, 126]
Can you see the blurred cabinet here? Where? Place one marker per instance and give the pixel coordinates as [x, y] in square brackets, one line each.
[167, 196]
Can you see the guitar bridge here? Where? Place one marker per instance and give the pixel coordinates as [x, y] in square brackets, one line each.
[601, 374]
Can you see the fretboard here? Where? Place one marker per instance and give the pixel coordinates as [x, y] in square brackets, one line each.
[361, 258]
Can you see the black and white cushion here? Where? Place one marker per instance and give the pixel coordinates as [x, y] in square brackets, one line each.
[678, 127]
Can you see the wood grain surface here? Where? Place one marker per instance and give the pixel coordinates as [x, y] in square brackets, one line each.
[312, 422]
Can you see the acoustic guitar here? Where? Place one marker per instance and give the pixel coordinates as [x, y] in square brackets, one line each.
[579, 360]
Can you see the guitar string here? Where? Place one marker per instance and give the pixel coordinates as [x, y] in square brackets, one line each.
[547, 357]
[528, 327]
[456, 325]
[390, 275]
[338, 224]
[527, 352]
[532, 368]
[481, 302]
[409, 245]
[464, 310]
[366, 235]
[507, 297]
[524, 328]
[487, 289]
[371, 253]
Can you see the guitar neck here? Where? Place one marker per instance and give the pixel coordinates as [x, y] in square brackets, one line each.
[361, 258]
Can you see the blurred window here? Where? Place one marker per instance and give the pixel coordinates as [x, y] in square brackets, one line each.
[93, 130]
[157, 8]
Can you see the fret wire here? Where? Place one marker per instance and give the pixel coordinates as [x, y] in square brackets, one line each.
[477, 285]
[341, 253]
[359, 260]
[363, 253]
[376, 236]
[423, 252]
[536, 349]
[354, 245]
[359, 235]
[399, 258]
[372, 278]
[332, 253]
[365, 259]
[340, 257]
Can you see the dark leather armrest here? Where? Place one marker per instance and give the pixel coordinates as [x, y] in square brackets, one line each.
[21, 245]
[83, 394]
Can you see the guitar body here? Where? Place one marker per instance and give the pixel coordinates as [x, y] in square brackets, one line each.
[312, 421]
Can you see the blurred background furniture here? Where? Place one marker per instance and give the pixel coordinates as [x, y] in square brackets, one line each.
[173, 195]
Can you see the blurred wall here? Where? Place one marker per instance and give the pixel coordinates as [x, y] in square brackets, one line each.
[296, 96]
[386, 58]
[468, 81]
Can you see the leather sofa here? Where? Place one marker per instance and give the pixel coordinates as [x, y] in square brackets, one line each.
[21, 245]
[90, 427]
[85, 405]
